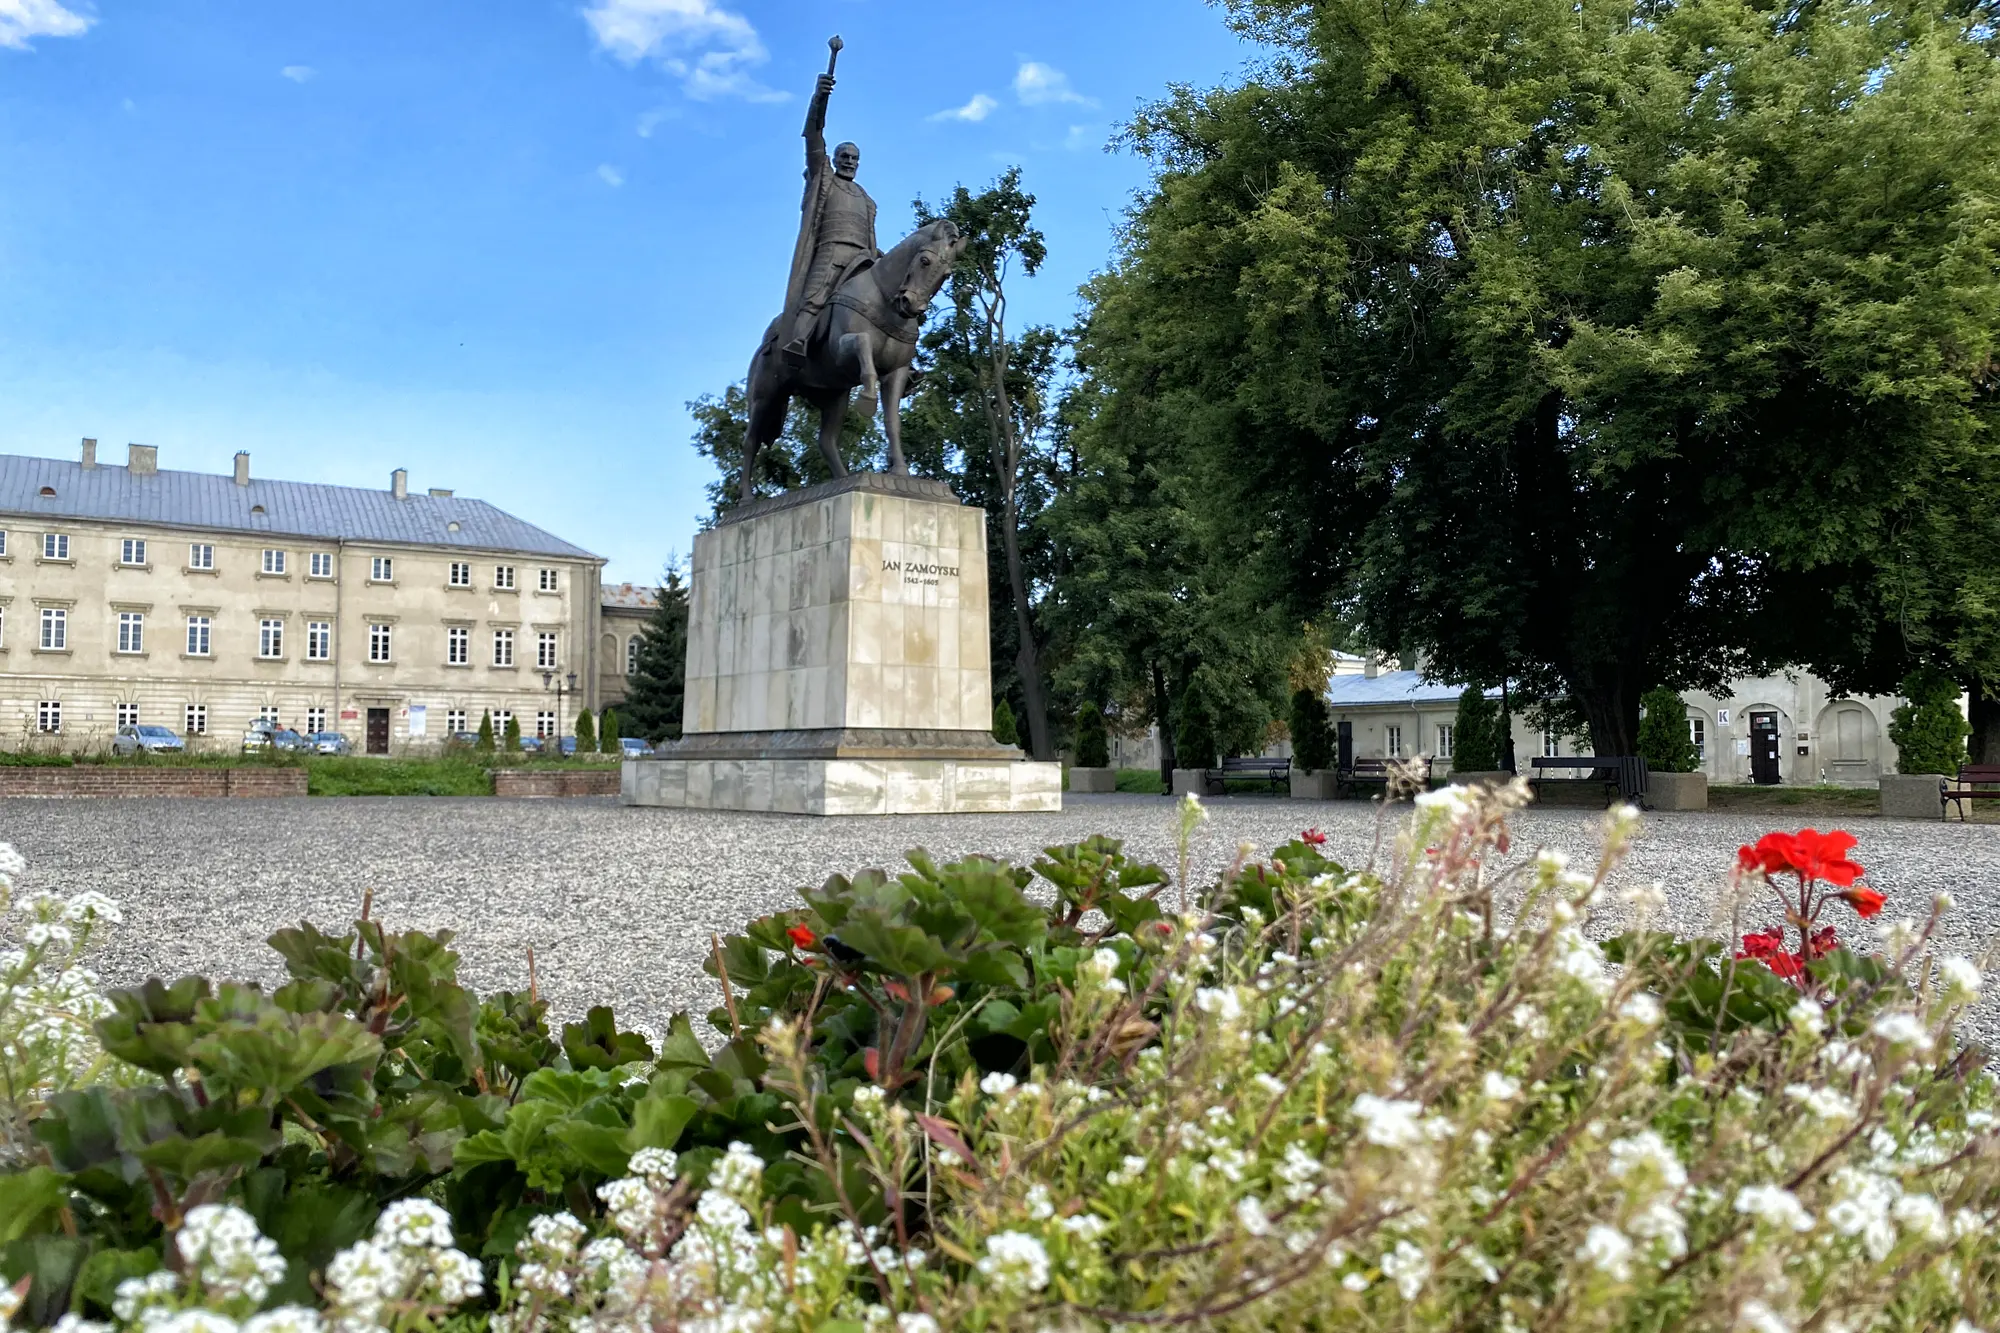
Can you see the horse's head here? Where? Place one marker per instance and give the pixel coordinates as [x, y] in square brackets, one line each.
[933, 253]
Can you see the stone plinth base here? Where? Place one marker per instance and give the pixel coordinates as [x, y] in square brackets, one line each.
[1913, 796]
[843, 786]
[1098, 780]
[1677, 791]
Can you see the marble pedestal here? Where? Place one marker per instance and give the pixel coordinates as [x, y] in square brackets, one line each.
[838, 663]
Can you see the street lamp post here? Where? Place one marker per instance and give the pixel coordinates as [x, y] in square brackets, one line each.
[550, 680]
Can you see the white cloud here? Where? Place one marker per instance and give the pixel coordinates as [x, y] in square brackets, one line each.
[610, 175]
[298, 73]
[652, 120]
[1080, 137]
[23, 19]
[1037, 84]
[709, 48]
[979, 108]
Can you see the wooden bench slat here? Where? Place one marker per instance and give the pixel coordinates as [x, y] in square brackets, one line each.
[1968, 775]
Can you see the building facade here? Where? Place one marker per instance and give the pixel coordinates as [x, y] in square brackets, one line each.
[201, 603]
[627, 607]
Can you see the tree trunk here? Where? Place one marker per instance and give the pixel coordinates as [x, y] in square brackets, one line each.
[1610, 703]
[1983, 746]
[1007, 467]
[1163, 720]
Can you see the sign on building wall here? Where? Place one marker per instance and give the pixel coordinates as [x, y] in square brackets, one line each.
[419, 721]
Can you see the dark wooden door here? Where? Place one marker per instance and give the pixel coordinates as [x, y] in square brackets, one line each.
[378, 731]
[1764, 741]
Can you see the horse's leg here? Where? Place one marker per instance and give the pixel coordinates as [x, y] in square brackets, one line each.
[894, 385]
[765, 402]
[857, 349]
[832, 408]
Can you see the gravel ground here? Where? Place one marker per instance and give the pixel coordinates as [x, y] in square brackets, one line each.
[618, 904]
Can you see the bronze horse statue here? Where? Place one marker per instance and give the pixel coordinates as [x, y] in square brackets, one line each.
[866, 339]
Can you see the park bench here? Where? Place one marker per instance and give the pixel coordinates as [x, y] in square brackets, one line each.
[1277, 772]
[1976, 782]
[1376, 772]
[1627, 773]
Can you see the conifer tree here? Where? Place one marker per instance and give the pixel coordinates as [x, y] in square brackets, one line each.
[607, 731]
[511, 742]
[586, 732]
[656, 692]
[485, 742]
[1004, 729]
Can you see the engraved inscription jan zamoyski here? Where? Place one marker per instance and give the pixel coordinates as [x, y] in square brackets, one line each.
[920, 574]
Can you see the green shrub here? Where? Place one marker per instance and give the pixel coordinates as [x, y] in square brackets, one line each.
[1929, 730]
[1004, 729]
[607, 732]
[1478, 737]
[1194, 736]
[485, 742]
[1093, 741]
[511, 742]
[31, 759]
[1664, 741]
[1313, 742]
[586, 732]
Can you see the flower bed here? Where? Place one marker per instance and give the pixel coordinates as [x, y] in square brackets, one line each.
[1304, 1096]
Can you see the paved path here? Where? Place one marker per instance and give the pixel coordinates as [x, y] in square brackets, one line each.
[619, 903]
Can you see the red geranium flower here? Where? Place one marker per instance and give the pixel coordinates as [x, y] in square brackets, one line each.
[802, 935]
[1762, 944]
[1864, 900]
[1808, 854]
[1312, 837]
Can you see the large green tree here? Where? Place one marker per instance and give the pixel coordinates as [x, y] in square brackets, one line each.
[1581, 344]
[657, 690]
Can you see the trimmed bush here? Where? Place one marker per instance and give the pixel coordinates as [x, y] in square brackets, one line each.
[1314, 747]
[1478, 738]
[511, 741]
[1664, 742]
[586, 732]
[1093, 740]
[1004, 729]
[1194, 736]
[607, 732]
[1929, 731]
[485, 743]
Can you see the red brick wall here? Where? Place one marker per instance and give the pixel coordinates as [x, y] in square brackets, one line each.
[565, 782]
[106, 780]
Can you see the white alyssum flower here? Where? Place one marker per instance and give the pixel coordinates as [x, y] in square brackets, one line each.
[1824, 1103]
[1408, 1267]
[1579, 957]
[1775, 1206]
[997, 1084]
[916, 1323]
[1807, 1016]
[1250, 1215]
[1758, 1317]
[1500, 1088]
[1902, 1028]
[1959, 977]
[1607, 1249]
[416, 1223]
[1015, 1262]
[1642, 1009]
[285, 1319]
[1863, 1209]
[221, 1245]
[1222, 1001]
[1389, 1122]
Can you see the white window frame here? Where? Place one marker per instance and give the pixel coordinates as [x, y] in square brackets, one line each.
[1551, 743]
[55, 546]
[128, 715]
[1447, 733]
[454, 721]
[503, 577]
[381, 641]
[501, 717]
[545, 724]
[200, 632]
[201, 555]
[55, 629]
[457, 646]
[632, 655]
[546, 654]
[382, 569]
[194, 720]
[131, 631]
[547, 581]
[274, 560]
[132, 551]
[319, 565]
[268, 713]
[3, 542]
[1392, 741]
[503, 647]
[460, 574]
[1698, 737]
[3, 626]
[48, 717]
[315, 719]
[270, 638]
[319, 640]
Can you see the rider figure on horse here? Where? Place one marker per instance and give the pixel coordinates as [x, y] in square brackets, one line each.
[836, 228]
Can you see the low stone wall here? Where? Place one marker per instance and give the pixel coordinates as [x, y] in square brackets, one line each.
[562, 782]
[110, 780]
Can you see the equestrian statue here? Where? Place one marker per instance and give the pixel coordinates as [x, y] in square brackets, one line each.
[852, 312]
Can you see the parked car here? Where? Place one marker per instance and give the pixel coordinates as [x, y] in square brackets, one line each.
[330, 742]
[567, 745]
[531, 745]
[291, 742]
[133, 738]
[633, 746]
[468, 739]
[258, 735]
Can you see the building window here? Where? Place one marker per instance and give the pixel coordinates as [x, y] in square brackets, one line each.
[48, 716]
[131, 632]
[3, 542]
[1392, 742]
[503, 647]
[545, 725]
[194, 721]
[461, 574]
[381, 569]
[201, 555]
[55, 629]
[128, 715]
[503, 576]
[270, 638]
[548, 581]
[3, 624]
[458, 646]
[632, 655]
[132, 551]
[378, 642]
[1551, 744]
[454, 721]
[320, 564]
[55, 546]
[315, 720]
[501, 717]
[274, 562]
[319, 640]
[545, 651]
[1445, 732]
[1698, 734]
[268, 713]
[197, 636]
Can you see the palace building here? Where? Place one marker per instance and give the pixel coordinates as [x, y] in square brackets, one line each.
[129, 593]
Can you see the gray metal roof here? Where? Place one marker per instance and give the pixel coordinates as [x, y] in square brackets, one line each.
[1393, 687]
[113, 493]
[630, 597]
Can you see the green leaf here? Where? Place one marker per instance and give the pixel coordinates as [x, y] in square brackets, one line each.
[30, 1201]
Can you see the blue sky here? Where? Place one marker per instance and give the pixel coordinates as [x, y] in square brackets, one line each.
[499, 242]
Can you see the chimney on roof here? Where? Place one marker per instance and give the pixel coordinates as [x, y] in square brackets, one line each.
[440, 493]
[399, 483]
[242, 467]
[89, 452]
[1371, 666]
[143, 461]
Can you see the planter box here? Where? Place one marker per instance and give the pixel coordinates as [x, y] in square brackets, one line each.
[1676, 791]
[111, 780]
[1098, 780]
[565, 782]
[1913, 796]
[1319, 785]
[1190, 782]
